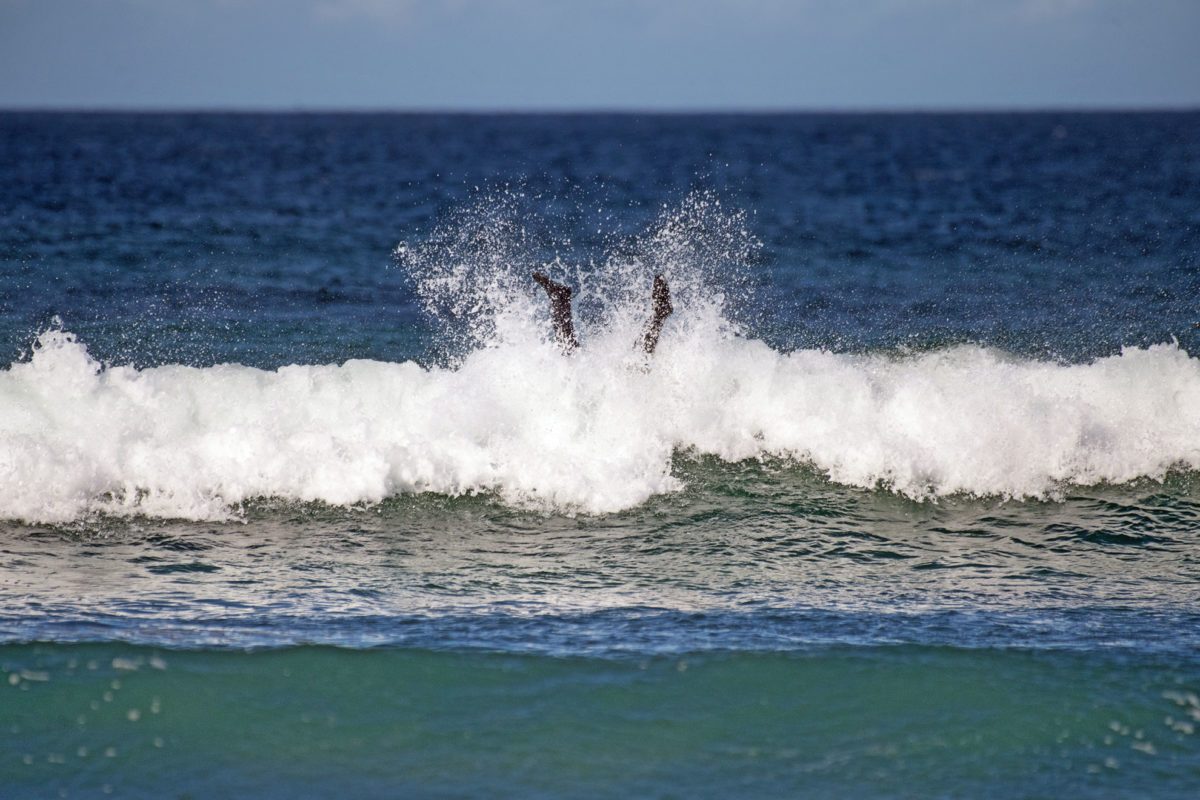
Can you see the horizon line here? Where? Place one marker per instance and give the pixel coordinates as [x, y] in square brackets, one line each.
[600, 110]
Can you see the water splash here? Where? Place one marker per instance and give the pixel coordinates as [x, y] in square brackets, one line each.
[472, 273]
[600, 431]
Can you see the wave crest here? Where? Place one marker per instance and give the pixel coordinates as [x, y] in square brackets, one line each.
[593, 433]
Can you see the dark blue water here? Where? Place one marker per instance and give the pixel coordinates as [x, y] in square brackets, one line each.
[297, 497]
[266, 238]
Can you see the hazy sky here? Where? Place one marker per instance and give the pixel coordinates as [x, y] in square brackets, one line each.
[643, 54]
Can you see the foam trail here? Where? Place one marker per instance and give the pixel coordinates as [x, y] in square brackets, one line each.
[592, 433]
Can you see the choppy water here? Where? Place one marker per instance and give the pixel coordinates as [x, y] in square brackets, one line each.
[298, 498]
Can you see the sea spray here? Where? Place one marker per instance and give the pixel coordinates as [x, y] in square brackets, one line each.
[597, 432]
[471, 274]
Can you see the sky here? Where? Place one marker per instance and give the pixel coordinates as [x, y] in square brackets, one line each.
[599, 54]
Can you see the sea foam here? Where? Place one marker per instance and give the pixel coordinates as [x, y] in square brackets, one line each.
[594, 432]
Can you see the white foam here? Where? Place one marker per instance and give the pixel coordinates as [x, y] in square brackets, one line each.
[595, 432]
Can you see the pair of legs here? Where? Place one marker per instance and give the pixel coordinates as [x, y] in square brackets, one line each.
[564, 326]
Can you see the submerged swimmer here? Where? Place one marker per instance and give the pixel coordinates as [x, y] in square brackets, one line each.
[564, 326]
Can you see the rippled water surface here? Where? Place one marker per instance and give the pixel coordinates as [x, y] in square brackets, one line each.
[754, 555]
[299, 498]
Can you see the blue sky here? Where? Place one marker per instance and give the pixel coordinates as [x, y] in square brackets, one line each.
[572, 54]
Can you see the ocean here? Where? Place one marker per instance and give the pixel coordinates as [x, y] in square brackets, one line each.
[300, 498]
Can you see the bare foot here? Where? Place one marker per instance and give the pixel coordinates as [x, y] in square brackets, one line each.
[560, 310]
[661, 296]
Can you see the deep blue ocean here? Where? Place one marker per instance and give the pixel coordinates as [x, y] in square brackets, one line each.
[300, 498]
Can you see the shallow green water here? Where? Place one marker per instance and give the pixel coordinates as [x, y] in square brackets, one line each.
[324, 722]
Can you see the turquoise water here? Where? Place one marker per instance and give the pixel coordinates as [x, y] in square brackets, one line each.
[320, 722]
[763, 646]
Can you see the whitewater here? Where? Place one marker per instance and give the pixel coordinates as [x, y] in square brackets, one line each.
[597, 432]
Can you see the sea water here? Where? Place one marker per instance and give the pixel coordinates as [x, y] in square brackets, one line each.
[298, 496]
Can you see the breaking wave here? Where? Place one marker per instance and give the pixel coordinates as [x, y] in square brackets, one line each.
[594, 432]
